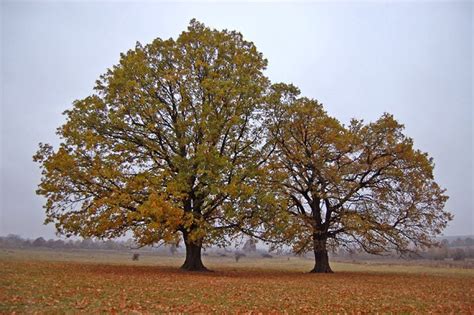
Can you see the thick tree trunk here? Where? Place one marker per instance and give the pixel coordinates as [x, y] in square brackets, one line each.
[193, 260]
[321, 264]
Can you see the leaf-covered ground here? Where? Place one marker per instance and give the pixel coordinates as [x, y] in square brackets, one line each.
[52, 283]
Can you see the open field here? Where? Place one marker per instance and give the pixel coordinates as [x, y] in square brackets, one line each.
[93, 281]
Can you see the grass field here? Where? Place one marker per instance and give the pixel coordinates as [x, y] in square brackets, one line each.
[94, 282]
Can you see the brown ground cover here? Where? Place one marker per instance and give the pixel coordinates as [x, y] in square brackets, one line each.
[46, 285]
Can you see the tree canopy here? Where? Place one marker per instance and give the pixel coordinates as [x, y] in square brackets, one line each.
[362, 185]
[188, 139]
[168, 145]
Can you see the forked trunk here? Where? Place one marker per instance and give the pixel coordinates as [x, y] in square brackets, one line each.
[193, 260]
[321, 264]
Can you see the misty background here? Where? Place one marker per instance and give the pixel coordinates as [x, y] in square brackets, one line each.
[360, 59]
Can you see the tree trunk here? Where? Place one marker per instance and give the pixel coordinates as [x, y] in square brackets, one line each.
[321, 264]
[193, 260]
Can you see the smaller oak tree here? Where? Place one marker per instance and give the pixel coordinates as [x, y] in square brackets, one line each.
[362, 184]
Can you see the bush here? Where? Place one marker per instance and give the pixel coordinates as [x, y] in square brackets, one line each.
[459, 254]
[238, 256]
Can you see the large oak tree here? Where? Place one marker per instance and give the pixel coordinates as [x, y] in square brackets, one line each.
[361, 185]
[169, 146]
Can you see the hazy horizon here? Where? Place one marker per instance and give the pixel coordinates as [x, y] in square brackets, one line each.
[360, 59]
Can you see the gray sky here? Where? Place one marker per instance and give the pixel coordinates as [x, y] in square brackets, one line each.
[412, 59]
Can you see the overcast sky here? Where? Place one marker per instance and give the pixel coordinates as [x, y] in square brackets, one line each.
[360, 59]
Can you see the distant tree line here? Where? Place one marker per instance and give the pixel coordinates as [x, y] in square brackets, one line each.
[16, 241]
[456, 249]
[459, 242]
